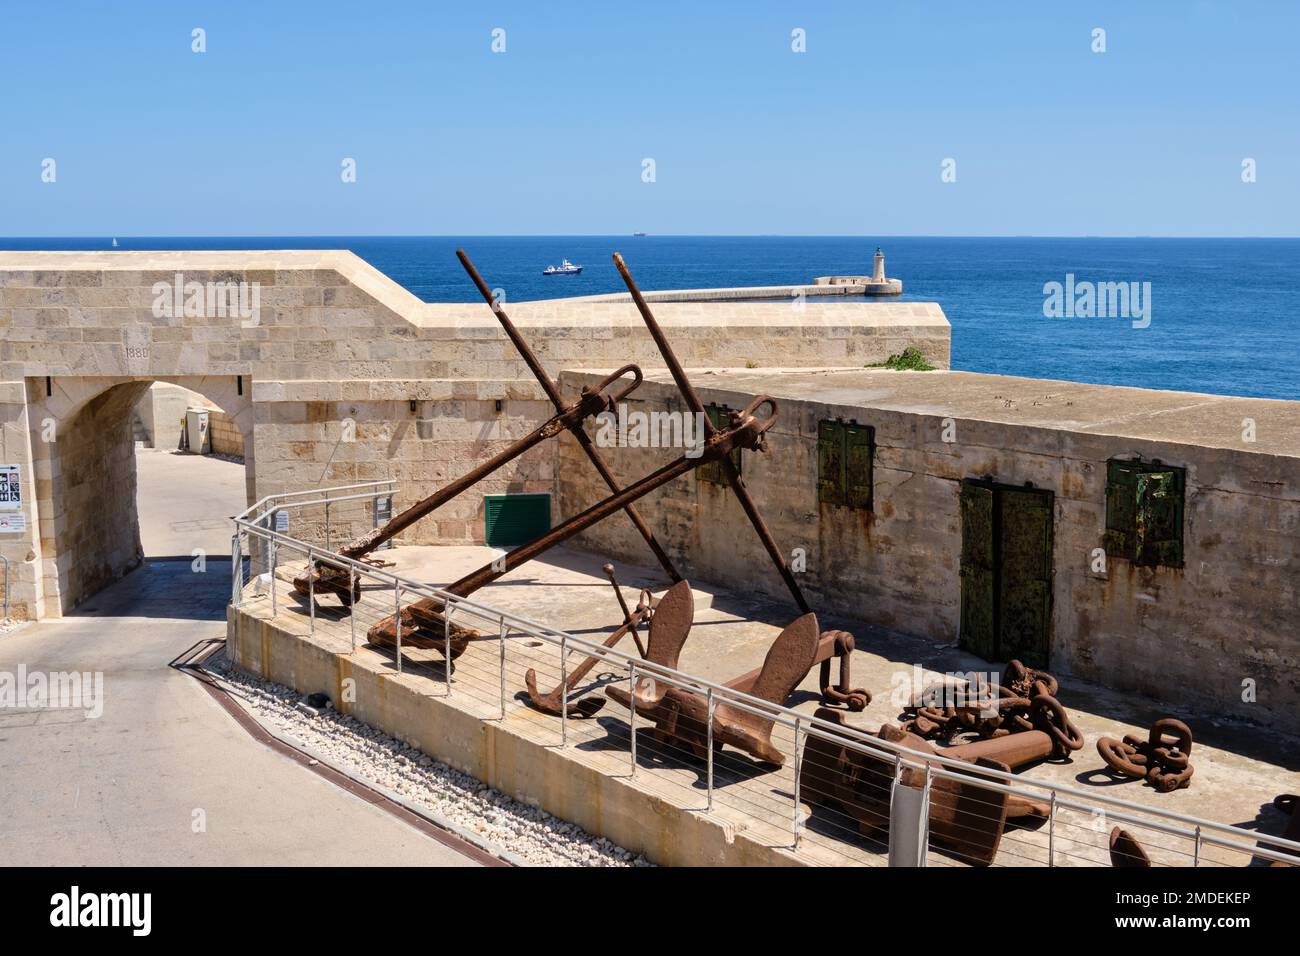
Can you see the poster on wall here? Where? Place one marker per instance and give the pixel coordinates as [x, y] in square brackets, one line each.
[11, 488]
[12, 517]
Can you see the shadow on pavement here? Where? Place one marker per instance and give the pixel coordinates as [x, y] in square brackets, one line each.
[166, 587]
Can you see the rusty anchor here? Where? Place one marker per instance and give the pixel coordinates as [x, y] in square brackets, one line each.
[669, 619]
[965, 817]
[1289, 804]
[591, 402]
[1163, 759]
[423, 624]
[682, 716]
[842, 645]
[1126, 851]
[552, 390]
[568, 418]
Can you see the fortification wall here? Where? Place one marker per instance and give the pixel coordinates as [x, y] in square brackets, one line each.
[1220, 632]
[333, 373]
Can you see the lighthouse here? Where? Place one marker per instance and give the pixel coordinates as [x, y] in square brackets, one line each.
[875, 284]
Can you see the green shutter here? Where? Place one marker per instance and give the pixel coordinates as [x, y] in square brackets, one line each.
[977, 570]
[515, 519]
[712, 470]
[859, 450]
[1159, 529]
[1144, 512]
[844, 463]
[1121, 508]
[830, 463]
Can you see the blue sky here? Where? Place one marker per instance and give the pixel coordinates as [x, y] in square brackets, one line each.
[748, 137]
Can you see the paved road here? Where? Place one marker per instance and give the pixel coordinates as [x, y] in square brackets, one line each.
[127, 787]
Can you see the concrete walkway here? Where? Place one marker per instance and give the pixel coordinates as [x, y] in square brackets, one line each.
[165, 776]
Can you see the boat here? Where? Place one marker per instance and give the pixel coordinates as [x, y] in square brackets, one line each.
[565, 268]
[638, 233]
[114, 243]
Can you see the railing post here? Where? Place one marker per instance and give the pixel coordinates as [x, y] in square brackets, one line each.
[631, 689]
[564, 683]
[267, 524]
[798, 767]
[1196, 853]
[909, 819]
[446, 642]
[327, 523]
[236, 573]
[275, 554]
[709, 740]
[1051, 832]
[925, 819]
[311, 594]
[397, 618]
[352, 608]
[501, 667]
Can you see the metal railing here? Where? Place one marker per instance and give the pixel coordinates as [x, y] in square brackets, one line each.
[332, 514]
[1073, 830]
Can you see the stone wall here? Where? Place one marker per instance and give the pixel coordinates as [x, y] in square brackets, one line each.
[336, 374]
[1202, 635]
[25, 595]
[57, 430]
[94, 513]
[161, 411]
[225, 435]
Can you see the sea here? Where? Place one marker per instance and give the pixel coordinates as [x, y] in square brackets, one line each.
[1204, 315]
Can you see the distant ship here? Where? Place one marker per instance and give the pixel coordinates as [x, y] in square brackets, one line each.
[638, 233]
[114, 243]
[565, 268]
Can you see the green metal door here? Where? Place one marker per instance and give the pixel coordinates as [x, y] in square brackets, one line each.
[515, 519]
[1006, 571]
[1025, 572]
[978, 594]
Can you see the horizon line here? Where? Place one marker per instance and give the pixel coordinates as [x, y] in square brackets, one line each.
[625, 235]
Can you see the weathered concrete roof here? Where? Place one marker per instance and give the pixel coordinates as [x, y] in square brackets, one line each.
[1183, 417]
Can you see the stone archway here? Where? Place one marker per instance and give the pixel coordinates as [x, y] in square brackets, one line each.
[83, 455]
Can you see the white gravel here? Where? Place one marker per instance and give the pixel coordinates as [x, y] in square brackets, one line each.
[501, 822]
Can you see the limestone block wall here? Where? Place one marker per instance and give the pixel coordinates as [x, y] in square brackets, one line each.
[94, 515]
[320, 357]
[335, 433]
[1208, 635]
[226, 436]
[161, 411]
[72, 438]
[25, 595]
